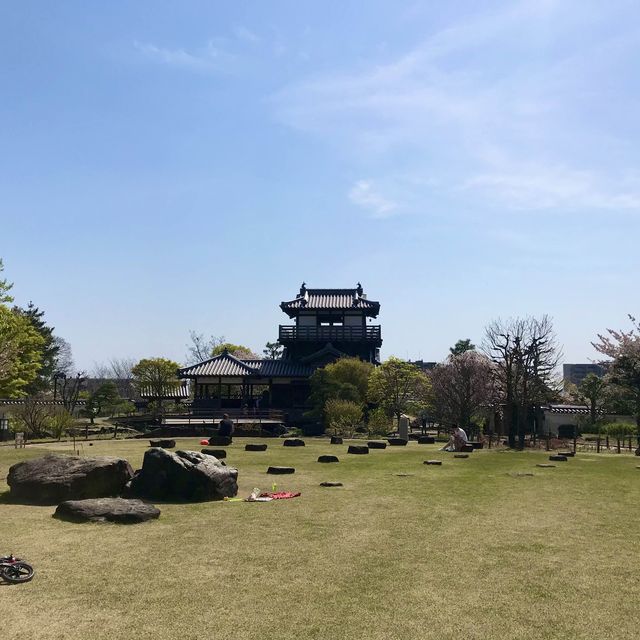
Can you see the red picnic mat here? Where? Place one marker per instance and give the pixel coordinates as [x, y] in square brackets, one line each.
[279, 495]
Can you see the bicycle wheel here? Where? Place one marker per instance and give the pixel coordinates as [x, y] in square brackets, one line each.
[17, 572]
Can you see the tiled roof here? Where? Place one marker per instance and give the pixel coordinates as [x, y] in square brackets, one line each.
[335, 299]
[179, 391]
[569, 409]
[229, 366]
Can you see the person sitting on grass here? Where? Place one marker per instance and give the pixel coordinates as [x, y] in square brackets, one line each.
[457, 439]
[226, 426]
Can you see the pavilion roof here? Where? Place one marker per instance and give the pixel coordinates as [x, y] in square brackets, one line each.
[226, 365]
[330, 299]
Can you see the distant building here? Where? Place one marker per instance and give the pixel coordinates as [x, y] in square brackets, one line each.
[424, 366]
[576, 373]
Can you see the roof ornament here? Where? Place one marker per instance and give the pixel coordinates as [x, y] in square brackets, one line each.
[359, 290]
[303, 289]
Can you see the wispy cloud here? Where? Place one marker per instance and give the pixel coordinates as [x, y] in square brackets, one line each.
[364, 194]
[504, 105]
[210, 58]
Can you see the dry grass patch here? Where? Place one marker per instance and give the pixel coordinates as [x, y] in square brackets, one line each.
[465, 550]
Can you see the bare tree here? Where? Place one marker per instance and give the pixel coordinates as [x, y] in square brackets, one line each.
[200, 347]
[69, 388]
[121, 368]
[526, 355]
[462, 387]
[64, 357]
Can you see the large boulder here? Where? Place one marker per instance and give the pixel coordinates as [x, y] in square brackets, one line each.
[106, 510]
[220, 441]
[183, 476]
[55, 478]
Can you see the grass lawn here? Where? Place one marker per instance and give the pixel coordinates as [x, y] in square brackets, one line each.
[466, 550]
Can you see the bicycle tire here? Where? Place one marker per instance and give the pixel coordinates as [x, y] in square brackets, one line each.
[17, 572]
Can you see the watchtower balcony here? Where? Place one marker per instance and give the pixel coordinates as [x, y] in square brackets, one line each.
[317, 333]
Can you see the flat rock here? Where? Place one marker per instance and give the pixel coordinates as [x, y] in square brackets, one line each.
[476, 445]
[460, 455]
[521, 474]
[568, 454]
[331, 484]
[467, 448]
[328, 459]
[404, 475]
[220, 454]
[376, 444]
[293, 442]
[398, 442]
[184, 476]
[558, 458]
[55, 478]
[280, 470]
[336, 440]
[118, 510]
[426, 440]
[164, 443]
[357, 449]
[255, 447]
[545, 465]
[433, 462]
[220, 441]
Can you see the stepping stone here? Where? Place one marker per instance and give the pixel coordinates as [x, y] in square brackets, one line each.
[398, 442]
[164, 444]
[220, 441]
[568, 454]
[106, 510]
[522, 474]
[376, 445]
[357, 448]
[336, 440]
[467, 448]
[293, 442]
[403, 475]
[255, 447]
[433, 462]
[331, 484]
[216, 453]
[328, 459]
[426, 440]
[460, 455]
[544, 465]
[558, 458]
[280, 470]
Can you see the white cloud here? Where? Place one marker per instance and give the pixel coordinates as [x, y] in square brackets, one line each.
[243, 33]
[504, 105]
[209, 58]
[364, 194]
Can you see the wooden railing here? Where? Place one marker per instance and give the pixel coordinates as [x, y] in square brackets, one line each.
[289, 333]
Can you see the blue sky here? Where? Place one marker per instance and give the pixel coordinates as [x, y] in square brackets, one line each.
[172, 166]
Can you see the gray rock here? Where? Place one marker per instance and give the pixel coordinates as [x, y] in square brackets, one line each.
[426, 440]
[216, 453]
[255, 447]
[398, 442]
[331, 484]
[336, 440]
[280, 470]
[376, 444]
[467, 448]
[328, 459]
[357, 449]
[55, 478]
[220, 441]
[106, 510]
[183, 476]
[558, 458]
[164, 443]
[433, 462]
[544, 465]
[460, 455]
[293, 442]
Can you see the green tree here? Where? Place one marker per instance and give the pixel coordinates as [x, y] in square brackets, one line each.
[5, 287]
[20, 353]
[273, 350]
[343, 416]
[155, 377]
[103, 401]
[236, 350]
[461, 347]
[396, 384]
[379, 422]
[59, 421]
[346, 379]
[619, 431]
[49, 349]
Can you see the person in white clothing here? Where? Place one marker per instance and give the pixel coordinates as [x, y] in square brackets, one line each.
[457, 439]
